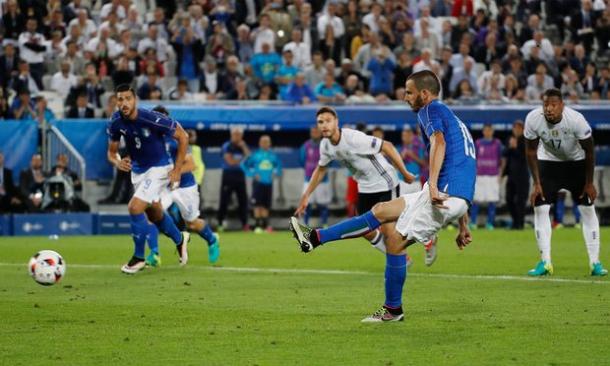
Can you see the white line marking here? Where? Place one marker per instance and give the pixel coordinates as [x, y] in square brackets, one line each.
[345, 272]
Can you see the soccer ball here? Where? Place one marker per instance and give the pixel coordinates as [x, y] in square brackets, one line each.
[47, 267]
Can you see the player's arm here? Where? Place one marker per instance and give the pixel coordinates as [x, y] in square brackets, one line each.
[388, 149]
[589, 147]
[189, 164]
[437, 157]
[183, 142]
[115, 159]
[531, 154]
[464, 237]
[316, 178]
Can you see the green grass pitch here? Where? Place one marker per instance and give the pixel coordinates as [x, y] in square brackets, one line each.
[268, 304]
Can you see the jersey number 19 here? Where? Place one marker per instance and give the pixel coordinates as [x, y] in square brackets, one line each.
[469, 149]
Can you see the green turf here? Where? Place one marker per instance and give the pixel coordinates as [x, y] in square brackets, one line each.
[203, 316]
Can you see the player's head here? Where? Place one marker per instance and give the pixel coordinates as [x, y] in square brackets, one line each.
[237, 134]
[264, 142]
[421, 88]
[378, 132]
[488, 131]
[314, 133]
[161, 109]
[552, 105]
[126, 100]
[327, 120]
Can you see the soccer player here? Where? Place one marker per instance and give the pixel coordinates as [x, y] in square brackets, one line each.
[363, 156]
[487, 187]
[413, 154]
[415, 217]
[262, 166]
[560, 154]
[320, 197]
[151, 169]
[186, 197]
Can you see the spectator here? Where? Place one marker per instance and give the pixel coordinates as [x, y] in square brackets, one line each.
[233, 179]
[329, 91]
[281, 23]
[538, 83]
[239, 91]
[464, 91]
[263, 35]
[103, 45]
[546, 53]
[352, 22]
[150, 90]
[603, 84]
[181, 91]
[484, 82]
[458, 59]
[571, 88]
[373, 18]
[489, 51]
[5, 110]
[9, 63]
[426, 62]
[387, 34]
[114, 6]
[354, 91]
[10, 201]
[580, 60]
[122, 74]
[110, 107]
[220, 45]
[32, 49]
[346, 70]
[582, 22]
[428, 40]
[309, 29]
[299, 92]
[231, 74]
[489, 169]
[189, 50]
[24, 80]
[314, 74]
[465, 73]
[43, 113]
[23, 106]
[82, 28]
[151, 62]
[262, 166]
[366, 52]
[513, 92]
[457, 32]
[590, 80]
[61, 168]
[91, 85]
[199, 22]
[285, 74]
[331, 30]
[31, 184]
[446, 70]
[517, 71]
[211, 80]
[63, 81]
[153, 40]
[74, 58]
[266, 64]
[81, 109]
[300, 50]
[381, 68]
[517, 183]
[402, 70]
[527, 32]
[13, 21]
[243, 45]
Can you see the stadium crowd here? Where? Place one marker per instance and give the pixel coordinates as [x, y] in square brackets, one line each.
[330, 51]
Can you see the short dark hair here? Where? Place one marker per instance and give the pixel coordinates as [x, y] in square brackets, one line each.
[124, 88]
[552, 92]
[161, 109]
[326, 109]
[377, 128]
[426, 80]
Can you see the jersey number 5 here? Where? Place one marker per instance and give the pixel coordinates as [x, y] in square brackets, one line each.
[469, 149]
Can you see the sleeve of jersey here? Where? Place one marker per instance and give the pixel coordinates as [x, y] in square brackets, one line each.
[162, 123]
[361, 143]
[529, 132]
[113, 132]
[325, 158]
[435, 123]
[582, 130]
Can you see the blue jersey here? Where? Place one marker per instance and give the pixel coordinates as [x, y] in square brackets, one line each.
[459, 170]
[144, 137]
[263, 163]
[186, 179]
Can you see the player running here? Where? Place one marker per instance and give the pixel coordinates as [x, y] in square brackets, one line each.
[415, 217]
[151, 169]
[565, 159]
[363, 156]
[186, 197]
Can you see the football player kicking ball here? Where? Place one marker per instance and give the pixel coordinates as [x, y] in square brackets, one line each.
[415, 217]
[151, 169]
[186, 197]
[362, 155]
[564, 160]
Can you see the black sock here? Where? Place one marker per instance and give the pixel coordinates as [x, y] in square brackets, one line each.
[313, 238]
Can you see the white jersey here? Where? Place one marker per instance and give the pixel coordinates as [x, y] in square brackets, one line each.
[361, 155]
[558, 142]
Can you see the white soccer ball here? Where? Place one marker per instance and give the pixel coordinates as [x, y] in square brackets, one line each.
[47, 267]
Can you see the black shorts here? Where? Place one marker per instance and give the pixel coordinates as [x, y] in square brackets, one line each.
[558, 175]
[261, 194]
[366, 201]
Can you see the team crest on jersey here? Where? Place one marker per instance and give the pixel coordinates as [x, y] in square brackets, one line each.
[554, 133]
[146, 132]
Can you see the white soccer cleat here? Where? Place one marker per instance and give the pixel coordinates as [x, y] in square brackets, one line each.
[133, 266]
[183, 248]
[384, 315]
[302, 233]
[430, 251]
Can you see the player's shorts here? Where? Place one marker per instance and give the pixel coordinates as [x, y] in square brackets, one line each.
[187, 200]
[420, 220]
[410, 187]
[261, 195]
[487, 189]
[558, 175]
[321, 195]
[366, 201]
[149, 185]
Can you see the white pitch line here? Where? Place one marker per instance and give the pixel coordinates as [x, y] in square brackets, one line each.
[347, 272]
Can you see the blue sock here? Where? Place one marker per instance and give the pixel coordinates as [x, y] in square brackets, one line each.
[350, 228]
[139, 230]
[576, 212]
[560, 208]
[323, 215]
[168, 227]
[395, 276]
[491, 214]
[474, 212]
[153, 238]
[208, 235]
[307, 214]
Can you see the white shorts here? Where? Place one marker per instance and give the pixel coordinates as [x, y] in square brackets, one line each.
[421, 221]
[149, 185]
[321, 195]
[410, 187]
[187, 200]
[487, 189]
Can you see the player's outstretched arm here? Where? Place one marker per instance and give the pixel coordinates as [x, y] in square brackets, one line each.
[464, 236]
[531, 153]
[589, 188]
[388, 149]
[437, 157]
[316, 178]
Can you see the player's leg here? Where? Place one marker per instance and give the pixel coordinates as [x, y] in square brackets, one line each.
[167, 226]
[242, 201]
[139, 232]
[366, 201]
[153, 259]
[551, 184]
[225, 197]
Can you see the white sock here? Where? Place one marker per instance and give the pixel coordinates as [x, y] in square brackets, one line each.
[542, 227]
[377, 242]
[590, 231]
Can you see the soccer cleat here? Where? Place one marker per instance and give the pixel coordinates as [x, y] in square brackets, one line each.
[383, 315]
[182, 249]
[302, 233]
[472, 226]
[134, 265]
[543, 268]
[489, 227]
[153, 259]
[269, 229]
[598, 270]
[214, 250]
[430, 251]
